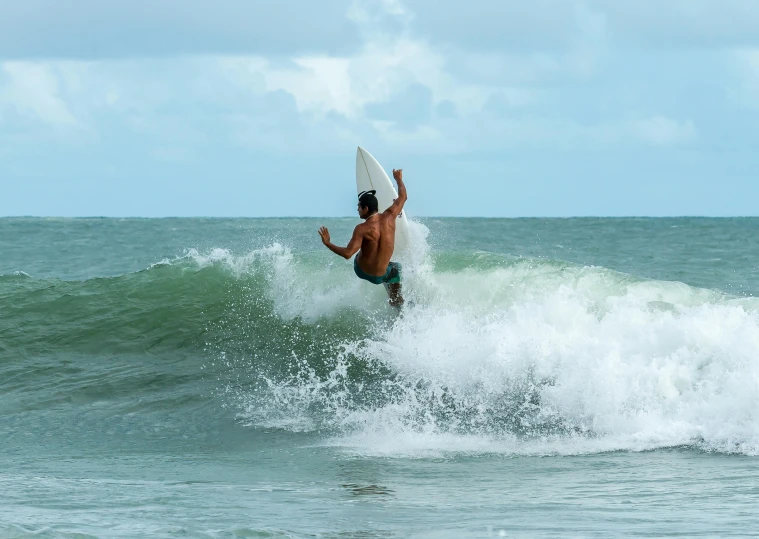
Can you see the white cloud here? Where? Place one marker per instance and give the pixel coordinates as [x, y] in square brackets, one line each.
[375, 12]
[389, 61]
[320, 84]
[472, 100]
[32, 88]
[663, 131]
[393, 58]
[384, 67]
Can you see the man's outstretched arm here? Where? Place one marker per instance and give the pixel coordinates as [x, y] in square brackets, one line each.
[346, 252]
[397, 206]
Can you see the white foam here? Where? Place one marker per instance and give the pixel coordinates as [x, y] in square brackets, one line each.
[238, 264]
[307, 288]
[619, 363]
[525, 358]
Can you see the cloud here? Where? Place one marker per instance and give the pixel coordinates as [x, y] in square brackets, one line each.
[378, 12]
[32, 89]
[535, 26]
[699, 24]
[94, 29]
[410, 108]
[395, 89]
[663, 131]
[543, 26]
[388, 62]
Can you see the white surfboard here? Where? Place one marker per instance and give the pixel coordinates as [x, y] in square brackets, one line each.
[370, 175]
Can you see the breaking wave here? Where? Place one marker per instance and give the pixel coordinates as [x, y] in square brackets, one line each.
[490, 355]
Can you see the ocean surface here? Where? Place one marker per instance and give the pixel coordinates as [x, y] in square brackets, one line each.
[232, 378]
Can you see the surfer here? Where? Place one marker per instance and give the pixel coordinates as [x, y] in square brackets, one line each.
[374, 241]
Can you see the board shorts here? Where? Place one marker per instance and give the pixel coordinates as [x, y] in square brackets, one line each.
[391, 276]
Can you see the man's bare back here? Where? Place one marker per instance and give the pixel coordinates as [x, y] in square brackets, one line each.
[375, 238]
[377, 243]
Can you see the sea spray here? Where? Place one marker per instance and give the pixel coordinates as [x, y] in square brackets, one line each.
[532, 356]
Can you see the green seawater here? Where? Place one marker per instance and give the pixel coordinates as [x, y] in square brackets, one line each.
[233, 378]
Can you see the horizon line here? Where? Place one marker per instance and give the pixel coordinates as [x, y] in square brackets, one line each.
[693, 216]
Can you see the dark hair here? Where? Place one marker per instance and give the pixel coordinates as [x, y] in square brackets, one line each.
[368, 200]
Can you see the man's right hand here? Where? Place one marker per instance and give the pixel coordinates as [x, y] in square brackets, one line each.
[324, 233]
[398, 175]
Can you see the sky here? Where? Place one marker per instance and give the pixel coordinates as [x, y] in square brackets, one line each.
[497, 108]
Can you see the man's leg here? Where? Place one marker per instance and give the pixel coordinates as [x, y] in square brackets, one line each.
[394, 293]
[393, 284]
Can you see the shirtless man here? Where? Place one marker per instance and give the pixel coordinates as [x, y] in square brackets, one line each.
[374, 240]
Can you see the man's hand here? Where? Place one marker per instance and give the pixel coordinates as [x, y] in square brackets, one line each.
[396, 207]
[324, 233]
[346, 252]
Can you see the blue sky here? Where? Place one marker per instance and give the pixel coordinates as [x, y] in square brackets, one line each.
[492, 107]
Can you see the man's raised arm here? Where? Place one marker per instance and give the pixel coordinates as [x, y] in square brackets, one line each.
[397, 206]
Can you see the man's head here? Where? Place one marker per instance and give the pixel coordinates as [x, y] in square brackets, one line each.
[367, 204]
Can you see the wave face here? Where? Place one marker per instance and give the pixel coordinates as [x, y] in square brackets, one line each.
[492, 354]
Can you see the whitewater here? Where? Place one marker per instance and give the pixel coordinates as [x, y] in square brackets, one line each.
[558, 354]
[516, 357]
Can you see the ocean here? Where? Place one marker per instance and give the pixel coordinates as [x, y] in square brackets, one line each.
[232, 378]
